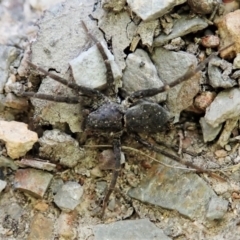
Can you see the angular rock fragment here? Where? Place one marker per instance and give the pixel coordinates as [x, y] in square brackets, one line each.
[58, 146]
[174, 189]
[170, 66]
[209, 132]
[32, 181]
[140, 73]
[218, 73]
[68, 196]
[225, 106]
[139, 229]
[229, 31]
[154, 9]
[217, 208]
[181, 27]
[89, 69]
[19, 140]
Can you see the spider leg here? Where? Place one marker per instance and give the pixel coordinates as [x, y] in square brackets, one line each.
[71, 100]
[89, 92]
[176, 158]
[117, 154]
[153, 91]
[109, 73]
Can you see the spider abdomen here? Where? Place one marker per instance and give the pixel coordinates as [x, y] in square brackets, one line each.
[146, 117]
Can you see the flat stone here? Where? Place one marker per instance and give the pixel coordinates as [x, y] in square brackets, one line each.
[34, 182]
[14, 210]
[115, 5]
[65, 225]
[90, 66]
[171, 66]
[68, 196]
[41, 206]
[229, 31]
[200, 7]
[16, 102]
[236, 62]
[174, 189]
[146, 31]
[152, 10]
[120, 34]
[19, 140]
[37, 164]
[182, 27]
[218, 73]
[41, 227]
[217, 208]
[8, 162]
[209, 132]
[7, 57]
[227, 131]
[58, 146]
[140, 73]
[218, 113]
[141, 229]
[3, 184]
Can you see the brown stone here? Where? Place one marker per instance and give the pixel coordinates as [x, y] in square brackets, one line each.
[34, 182]
[41, 228]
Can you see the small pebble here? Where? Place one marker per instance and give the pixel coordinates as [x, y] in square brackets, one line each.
[217, 208]
[3, 184]
[236, 62]
[204, 100]
[220, 153]
[201, 6]
[210, 41]
[228, 148]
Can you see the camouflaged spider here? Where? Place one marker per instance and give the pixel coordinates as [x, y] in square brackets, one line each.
[133, 115]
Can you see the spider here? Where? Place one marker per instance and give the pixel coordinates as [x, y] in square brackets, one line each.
[134, 115]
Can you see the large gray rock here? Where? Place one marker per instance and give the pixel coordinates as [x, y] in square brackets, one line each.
[150, 10]
[141, 229]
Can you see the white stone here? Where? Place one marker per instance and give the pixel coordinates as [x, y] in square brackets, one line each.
[89, 69]
[150, 10]
[236, 62]
[3, 184]
[225, 106]
[19, 140]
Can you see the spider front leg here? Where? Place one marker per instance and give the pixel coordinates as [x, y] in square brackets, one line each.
[109, 73]
[115, 174]
[70, 100]
[154, 91]
[85, 91]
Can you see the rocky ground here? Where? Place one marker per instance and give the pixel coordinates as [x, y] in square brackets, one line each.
[54, 175]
